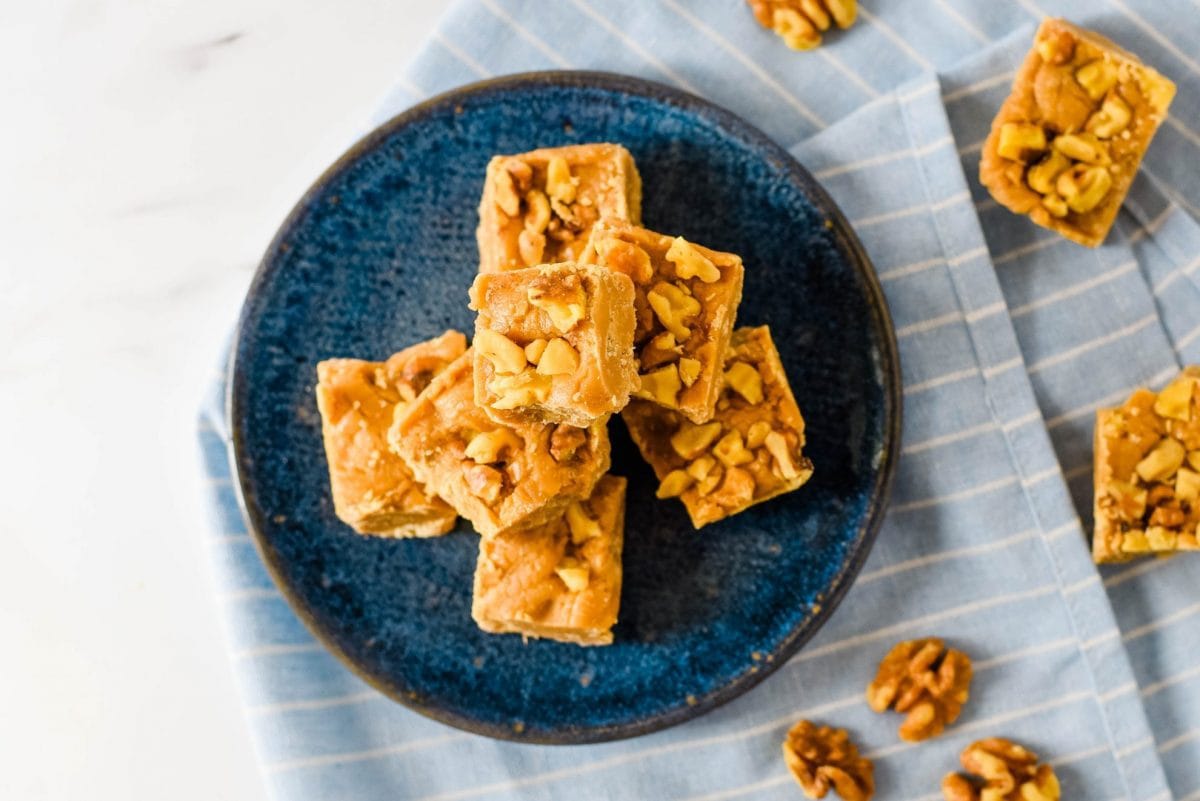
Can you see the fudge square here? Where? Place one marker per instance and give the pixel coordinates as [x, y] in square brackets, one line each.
[561, 580]
[1148, 472]
[374, 492]
[554, 343]
[749, 452]
[539, 207]
[686, 304]
[1067, 142]
[499, 477]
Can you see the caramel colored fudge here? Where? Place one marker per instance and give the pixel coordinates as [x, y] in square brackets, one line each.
[500, 477]
[749, 452]
[800, 23]
[374, 492]
[554, 343]
[1148, 472]
[561, 580]
[539, 207]
[1067, 142]
[686, 303]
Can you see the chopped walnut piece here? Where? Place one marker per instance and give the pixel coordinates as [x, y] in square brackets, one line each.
[736, 491]
[566, 440]
[691, 440]
[822, 758]
[484, 482]
[1021, 141]
[559, 358]
[573, 573]
[731, 450]
[1002, 771]
[800, 22]
[673, 484]
[745, 380]
[1175, 401]
[673, 307]
[582, 527]
[538, 216]
[506, 193]
[489, 446]
[661, 385]
[516, 391]
[925, 680]
[777, 446]
[535, 349]
[531, 245]
[689, 370]
[565, 307]
[757, 433]
[691, 263]
[505, 355]
[559, 185]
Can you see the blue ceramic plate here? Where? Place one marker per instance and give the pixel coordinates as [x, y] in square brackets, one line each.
[379, 254]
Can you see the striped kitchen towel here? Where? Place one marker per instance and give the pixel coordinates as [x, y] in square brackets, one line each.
[1008, 341]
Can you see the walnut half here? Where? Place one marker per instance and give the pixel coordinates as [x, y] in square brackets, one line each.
[800, 22]
[1001, 770]
[821, 758]
[927, 681]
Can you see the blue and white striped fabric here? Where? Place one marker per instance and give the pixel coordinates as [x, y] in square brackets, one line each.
[1010, 338]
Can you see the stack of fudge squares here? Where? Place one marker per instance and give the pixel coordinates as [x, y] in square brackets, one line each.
[581, 314]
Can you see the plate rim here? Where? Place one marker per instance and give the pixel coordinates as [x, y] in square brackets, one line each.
[888, 365]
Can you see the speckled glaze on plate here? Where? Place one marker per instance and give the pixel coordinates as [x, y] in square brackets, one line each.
[379, 254]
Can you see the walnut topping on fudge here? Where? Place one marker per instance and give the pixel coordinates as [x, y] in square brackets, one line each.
[539, 207]
[501, 477]
[1147, 472]
[1067, 142]
[749, 452]
[554, 343]
[686, 299]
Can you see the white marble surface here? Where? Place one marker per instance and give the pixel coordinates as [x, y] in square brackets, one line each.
[147, 151]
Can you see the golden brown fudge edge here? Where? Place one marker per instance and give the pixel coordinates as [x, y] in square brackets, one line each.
[718, 312]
